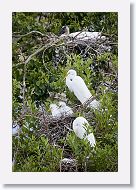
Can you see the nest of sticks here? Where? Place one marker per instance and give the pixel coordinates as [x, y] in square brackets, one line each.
[57, 128]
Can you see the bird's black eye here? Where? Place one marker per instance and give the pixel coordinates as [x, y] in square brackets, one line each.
[71, 79]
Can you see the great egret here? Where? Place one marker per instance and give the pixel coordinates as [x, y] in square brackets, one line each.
[85, 36]
[60, 110]
[80, 125]
[55, 110]
[77, 85]
[64, 109]
[81, 35]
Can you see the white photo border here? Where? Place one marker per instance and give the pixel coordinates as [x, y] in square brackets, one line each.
[123, 174]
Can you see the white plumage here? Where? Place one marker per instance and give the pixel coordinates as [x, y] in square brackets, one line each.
[81, 35]
[80, 125]
[61, 110]
[15, 129]
[64, 109]
[87, 35]
[94, 104]
[55, 110]
[77, 85]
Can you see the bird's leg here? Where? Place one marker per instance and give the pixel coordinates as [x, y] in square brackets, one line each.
[88, 101]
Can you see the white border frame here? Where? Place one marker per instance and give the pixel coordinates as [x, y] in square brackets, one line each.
[123, 174]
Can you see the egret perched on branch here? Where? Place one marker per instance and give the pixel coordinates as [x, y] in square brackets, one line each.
[80, 126]
[64, 109]
[77, 85]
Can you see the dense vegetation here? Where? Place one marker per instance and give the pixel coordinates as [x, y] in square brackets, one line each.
[38, 77]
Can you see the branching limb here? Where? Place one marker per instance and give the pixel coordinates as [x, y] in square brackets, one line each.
[23, 35]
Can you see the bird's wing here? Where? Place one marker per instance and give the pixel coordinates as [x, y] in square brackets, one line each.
[95, 104]
[79, 131]
[69, 110]
[56, 112]
[80, 89]
[85, 35]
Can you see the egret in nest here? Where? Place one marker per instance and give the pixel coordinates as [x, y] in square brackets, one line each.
[64, 109]
[60, 110]
[55, 110]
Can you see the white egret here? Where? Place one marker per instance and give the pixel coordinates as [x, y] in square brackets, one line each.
[85, 36]
[64, 109]
[81, 35]
[80, 125]
[61, 97]
[60, 110]
[15, 129]
[55, 110]
[77, 85]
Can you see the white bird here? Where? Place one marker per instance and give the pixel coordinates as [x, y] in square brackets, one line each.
[60, 110]
[80, 125]
[15, 129]
[85, 36]
[77, 85]
[55, 110]
[81, 35]
[64, 109]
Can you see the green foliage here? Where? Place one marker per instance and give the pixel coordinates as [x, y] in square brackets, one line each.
[81, 151]
[36, 155]
[104, 157]
[46, 22]
[16, 104]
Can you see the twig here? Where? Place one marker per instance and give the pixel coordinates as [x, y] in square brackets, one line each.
[40, 49]
[44, 61]
[62, 153]
[24, 88]
[23, 35]
[35, 53]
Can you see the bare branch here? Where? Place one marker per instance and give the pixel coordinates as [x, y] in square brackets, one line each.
[23, 35]
[35, 53]
[24, 89]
